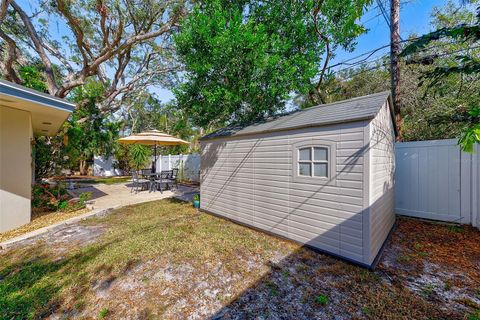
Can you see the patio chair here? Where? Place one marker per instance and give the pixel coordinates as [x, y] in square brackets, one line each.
[172, 179]
[146, 172]
[163, 177]
[138, 182]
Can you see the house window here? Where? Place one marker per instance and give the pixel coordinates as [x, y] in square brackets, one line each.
[313, 162]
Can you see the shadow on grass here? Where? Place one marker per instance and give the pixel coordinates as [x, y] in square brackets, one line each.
[30, 288]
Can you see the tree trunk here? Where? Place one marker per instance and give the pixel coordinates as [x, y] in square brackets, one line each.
[83, 167]
[394, 58]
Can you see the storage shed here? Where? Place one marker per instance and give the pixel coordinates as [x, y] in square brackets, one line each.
[323, 176]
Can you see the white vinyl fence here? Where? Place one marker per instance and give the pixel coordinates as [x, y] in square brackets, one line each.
[435, 180]
[188, 165]
[104, 167]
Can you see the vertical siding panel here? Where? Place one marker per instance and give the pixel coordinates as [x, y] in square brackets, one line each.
[381, 171]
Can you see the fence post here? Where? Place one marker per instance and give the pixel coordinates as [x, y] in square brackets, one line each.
[169, 162]
[475, 188]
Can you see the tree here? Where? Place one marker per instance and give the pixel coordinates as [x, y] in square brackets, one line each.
[244, 59]
[147, 113]
[438, 112]
[394, 57]
[456, 71]
[123, 44]
[89, 138]
[140, 156]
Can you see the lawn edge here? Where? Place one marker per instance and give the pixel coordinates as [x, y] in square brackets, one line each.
[56, 226]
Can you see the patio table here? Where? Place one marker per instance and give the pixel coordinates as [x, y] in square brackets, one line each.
[153, 176]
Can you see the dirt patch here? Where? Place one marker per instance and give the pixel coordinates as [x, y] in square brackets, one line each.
[70, 237]
[41, 219]
[439, 262]
[149, 261]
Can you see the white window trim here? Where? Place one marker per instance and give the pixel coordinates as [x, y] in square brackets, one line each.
[312, 161]
[331, 161]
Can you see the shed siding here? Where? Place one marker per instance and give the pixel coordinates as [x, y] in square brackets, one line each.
[382, 169]
[250, 179]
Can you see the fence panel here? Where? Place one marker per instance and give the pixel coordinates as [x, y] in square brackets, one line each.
[435, 180]
[188, 165]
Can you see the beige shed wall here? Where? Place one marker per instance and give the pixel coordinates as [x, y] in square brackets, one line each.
[250, 179]
[382, 170]
[15, 167]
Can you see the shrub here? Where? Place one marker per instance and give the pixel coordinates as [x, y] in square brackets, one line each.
[48, 198]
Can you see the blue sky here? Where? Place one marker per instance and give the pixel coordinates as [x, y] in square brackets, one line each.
[414, 18]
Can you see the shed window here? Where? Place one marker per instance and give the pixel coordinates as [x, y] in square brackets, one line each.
[313, 162]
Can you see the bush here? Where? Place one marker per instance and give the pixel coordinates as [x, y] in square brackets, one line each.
[48, 198]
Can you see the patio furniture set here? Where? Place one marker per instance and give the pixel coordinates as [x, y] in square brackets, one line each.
[145, 179]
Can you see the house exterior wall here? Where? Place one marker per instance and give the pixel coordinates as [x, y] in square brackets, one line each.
[250, 179]
[15, 167]
[381, 179]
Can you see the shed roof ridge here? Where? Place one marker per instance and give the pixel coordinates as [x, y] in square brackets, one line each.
[348, 100]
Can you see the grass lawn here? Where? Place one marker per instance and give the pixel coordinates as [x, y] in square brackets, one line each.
[107, 180]
[165, 260]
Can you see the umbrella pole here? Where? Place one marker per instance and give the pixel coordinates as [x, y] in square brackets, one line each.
[154, 165]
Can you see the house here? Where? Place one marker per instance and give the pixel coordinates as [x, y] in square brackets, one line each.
[323, 176]
[23, 113]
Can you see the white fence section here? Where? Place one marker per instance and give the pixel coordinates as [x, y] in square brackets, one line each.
[103, 167]
[188, 165]
[436, 180]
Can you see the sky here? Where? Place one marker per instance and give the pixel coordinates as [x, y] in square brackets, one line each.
[414, 18]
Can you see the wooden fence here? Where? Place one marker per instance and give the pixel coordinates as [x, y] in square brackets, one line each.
[435, 180]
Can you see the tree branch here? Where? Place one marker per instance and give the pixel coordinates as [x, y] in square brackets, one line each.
[93, 67]
[38, 44]
[3, 9]
[10, 75]
[325, 39]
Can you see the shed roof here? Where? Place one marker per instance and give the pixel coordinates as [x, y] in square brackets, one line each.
[360, 108]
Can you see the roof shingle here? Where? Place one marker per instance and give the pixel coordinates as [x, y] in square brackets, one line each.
[355, 109]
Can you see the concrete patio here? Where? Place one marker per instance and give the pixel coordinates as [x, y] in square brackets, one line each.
[104, 199]
[120, 194]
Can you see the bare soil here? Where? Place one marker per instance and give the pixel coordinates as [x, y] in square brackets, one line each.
[165, 260]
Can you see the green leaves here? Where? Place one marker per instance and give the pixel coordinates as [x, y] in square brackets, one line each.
[471, 134]
[32, 78]
[245, 59]
[140, 155]
[453, 76]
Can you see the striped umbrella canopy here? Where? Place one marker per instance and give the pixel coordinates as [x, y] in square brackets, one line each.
[153, 138]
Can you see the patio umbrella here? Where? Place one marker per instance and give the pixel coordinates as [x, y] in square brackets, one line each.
[153, 138]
